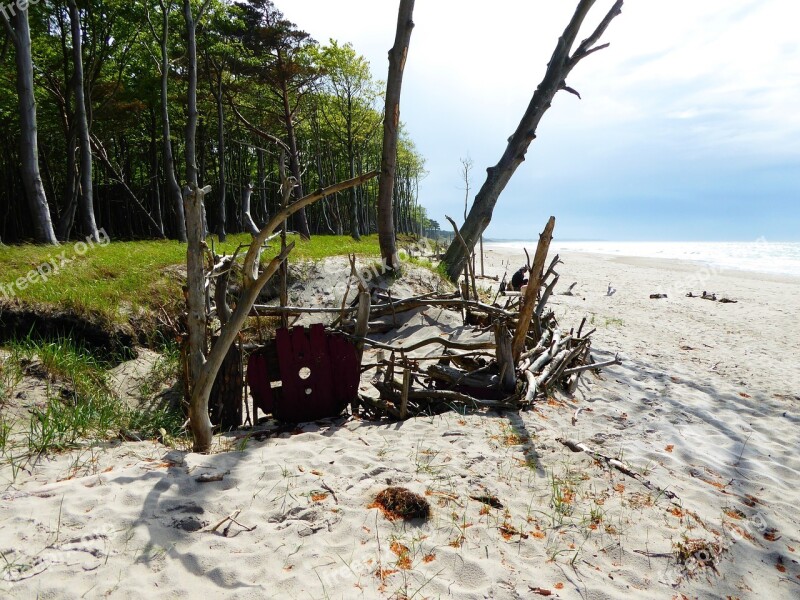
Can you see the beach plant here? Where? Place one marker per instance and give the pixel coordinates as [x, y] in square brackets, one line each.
[82, 406]
[10, 376]
[425, 460]
[5, 432]
[165, 370]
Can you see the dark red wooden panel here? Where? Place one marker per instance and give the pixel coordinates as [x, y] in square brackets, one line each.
[332, 378]
[258, 380]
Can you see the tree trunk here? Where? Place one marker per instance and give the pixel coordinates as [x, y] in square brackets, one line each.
[391, 123]
[20, 33]
[154, 183]
[300, 219]
[559, 67]
[247, 219]
[221, 212]
[87, 189]
[196, 319]
[172, 189]
[191, 98]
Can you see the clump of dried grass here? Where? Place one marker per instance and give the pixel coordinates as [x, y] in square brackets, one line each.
[401, 503]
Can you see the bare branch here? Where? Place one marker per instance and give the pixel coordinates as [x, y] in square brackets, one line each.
[259, 132]
[566, 88]
[9, 29]
[586, 45]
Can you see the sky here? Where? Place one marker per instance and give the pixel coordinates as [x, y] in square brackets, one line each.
[689, 126]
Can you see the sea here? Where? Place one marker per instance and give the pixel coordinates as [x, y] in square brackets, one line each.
[779, 258]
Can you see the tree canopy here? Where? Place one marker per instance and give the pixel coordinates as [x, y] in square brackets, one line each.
[265, 89]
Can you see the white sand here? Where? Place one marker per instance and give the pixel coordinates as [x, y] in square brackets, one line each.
[716, 424]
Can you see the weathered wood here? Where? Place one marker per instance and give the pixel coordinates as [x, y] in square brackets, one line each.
[534, 281]
[433, 340]
[468, 264]
[225, 404]
[545, 296]
[362, 322]
[442, 397]
[264, 310]
[615, 361]
[247, 219]
[404, 394]
[453, 376]
[618, 465]
[391, 128]
[505, 359]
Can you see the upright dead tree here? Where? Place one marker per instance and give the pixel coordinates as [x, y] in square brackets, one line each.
[195, 210]
[204, 365]
[391, 123]
[497, 177]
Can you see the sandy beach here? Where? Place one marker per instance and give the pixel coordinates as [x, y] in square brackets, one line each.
[706, 405]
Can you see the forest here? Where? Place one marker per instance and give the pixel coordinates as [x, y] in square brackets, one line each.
[96, 111]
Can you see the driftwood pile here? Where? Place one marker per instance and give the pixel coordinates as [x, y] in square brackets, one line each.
[530, 354]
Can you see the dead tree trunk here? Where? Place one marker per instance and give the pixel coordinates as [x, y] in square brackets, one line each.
[247, 219]
[526, 312]
[204, 368]
[391, 122]
[497, 177]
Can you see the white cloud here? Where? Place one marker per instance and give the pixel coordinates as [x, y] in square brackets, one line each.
[704, 81]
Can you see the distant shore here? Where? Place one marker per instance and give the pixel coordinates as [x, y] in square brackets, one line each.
[760, 256]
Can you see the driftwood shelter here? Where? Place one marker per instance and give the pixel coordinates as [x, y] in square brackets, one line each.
[522, 355]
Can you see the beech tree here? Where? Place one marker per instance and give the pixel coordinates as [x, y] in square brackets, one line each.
[562, 62]
[18, 29]
[352, 93]
[172, 188]
[87, 185]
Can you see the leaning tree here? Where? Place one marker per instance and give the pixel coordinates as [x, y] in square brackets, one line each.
[564, 59]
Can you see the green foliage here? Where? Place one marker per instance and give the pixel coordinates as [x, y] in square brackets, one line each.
[262, 62]
[83, 406]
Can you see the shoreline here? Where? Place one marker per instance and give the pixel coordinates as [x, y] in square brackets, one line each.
[643, 259]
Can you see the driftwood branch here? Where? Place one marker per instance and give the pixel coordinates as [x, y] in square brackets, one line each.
[534, 281]
[616, 464]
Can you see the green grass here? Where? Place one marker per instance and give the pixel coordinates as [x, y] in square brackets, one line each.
[123, 279]
[83, 407]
